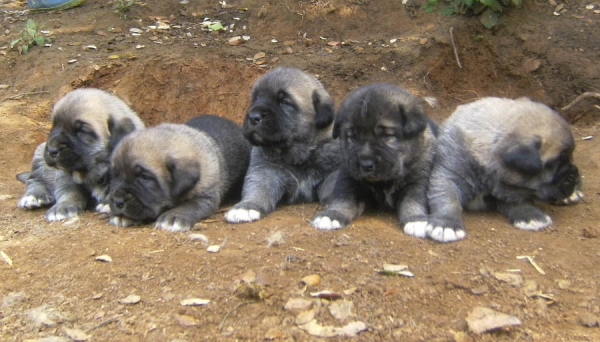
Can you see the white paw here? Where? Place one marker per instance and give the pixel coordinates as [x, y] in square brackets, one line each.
[443, 234]
[325, 223]
[103, 208]
[534, 224]
[575, 197]
[123, 222]
[416, 229]
[241, 215]
[31, 202]
[174, 227]
[54, 216]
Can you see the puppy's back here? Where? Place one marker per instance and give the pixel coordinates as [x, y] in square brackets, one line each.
[234, 148]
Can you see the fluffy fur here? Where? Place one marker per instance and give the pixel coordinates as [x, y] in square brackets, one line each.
[501, 154]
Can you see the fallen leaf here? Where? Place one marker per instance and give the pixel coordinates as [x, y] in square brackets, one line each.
[341, 310]
[349, 330]
[304, 317]
[104, 257]
[512, 279]
[298, 304]
[483, 319]
[311, 280]
[6, 258]
[326, 294]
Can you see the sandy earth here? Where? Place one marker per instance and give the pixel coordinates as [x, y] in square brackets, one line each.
[55, 287]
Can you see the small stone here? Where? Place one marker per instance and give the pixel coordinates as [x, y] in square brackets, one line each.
[479, 290]
[589, 320]
[104, 258]
[288, 51]
[131, 299]
[298, 304]
[213, 248]
[483, 319]
[563, 284]
[76, 334]
[194, 302]
[187, 321]
[273, 334]
[590, 233]
[423, 41]
[532, 65]
[512, 279]
[235, 41]
[342, 310]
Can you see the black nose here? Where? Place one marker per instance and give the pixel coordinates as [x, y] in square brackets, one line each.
[367, 165]
[255, 117]
[52, 151]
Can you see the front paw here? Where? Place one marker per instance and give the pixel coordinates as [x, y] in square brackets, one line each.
[240, 215]
[62, 211]
[534, 224]
[416, 229]
[173, 222]
[35, 201]
[103, 208]
[444, 230]
[123, 222]
[330, 220]
[576, 197]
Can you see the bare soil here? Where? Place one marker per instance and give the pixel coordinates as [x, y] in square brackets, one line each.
[56, 287]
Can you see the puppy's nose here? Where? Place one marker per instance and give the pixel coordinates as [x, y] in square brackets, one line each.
[255, 117]
[119, 203]
[367, 165]
[52, 151]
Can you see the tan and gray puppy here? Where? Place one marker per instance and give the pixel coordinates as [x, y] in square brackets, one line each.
[289, 122]
[70, 170]
[501, 154]
[177, 175]
[387, 141]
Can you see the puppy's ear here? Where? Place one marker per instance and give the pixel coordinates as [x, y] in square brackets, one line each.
[524, 156]
[324, 110]
[414, 121]
[184, 176]
[118, 130]
[337, 125]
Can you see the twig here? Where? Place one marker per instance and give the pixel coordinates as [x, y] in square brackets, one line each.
[231, 311]
[579, 98]
[101, 324]
[454, 47]
[20, 96]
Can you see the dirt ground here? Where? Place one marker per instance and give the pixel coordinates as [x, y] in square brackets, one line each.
[53, 288]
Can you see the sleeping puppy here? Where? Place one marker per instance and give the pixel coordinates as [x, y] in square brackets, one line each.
[177, 175]
[501, 154]
[387, 141]
[70, 169]
[289, 123]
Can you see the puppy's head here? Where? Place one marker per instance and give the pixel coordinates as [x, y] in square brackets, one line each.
[148, 176]
[86, 125]
[381, 128]
[536, 156]
[287, 106]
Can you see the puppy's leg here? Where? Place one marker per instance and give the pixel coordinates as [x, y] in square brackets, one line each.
[412, 210]
[183, 217]
[36, 195]
[123, 222]
[338, 195]
[263, 189]
[71, 199]
[525, 216]
[445, 220]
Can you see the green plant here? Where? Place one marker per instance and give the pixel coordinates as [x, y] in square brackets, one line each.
[121, 7]
[488, 10]
[29, 37]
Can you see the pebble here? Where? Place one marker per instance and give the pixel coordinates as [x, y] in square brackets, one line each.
[589, 320]
[298, 304]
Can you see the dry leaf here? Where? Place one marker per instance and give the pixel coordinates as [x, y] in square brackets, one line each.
[482, 320]
[194, 302]
[104, 257]
[326, 294]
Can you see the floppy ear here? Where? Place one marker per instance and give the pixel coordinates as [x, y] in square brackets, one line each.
[118, 130]
[524, 157]
[337, 125]
[414, 121]
[324, 110]
[184, 176]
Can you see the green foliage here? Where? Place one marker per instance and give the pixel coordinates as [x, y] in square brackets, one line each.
[29, 37]
[121, 7]
[488, 10]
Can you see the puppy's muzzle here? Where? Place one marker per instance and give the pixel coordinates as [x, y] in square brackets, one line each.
[118, 201]
[54, 147]
[255, 118]
[367, 165]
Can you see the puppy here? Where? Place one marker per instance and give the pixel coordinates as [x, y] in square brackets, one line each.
[177, 175]
[387, 141]
[501, 154]
[70, 169]
[289, 124]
